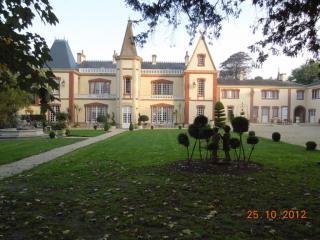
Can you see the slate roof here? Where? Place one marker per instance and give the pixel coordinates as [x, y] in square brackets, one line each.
[163, 65]
[61, 55]
[314, 84]
[97, 64]
[259, 83]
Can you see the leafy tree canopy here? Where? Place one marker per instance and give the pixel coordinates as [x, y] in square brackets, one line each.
[306, 73]
[238, 63]
[288, 26]
[23, 53]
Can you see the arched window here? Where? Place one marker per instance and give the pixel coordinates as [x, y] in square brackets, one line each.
[93, 110]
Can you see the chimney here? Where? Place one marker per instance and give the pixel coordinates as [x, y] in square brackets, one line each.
[186, 58]
[80, 57]
[283, 77]
[114, 57]
[241, 74]
[154, 59]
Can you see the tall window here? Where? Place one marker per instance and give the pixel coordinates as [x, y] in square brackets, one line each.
[312, 115]
[230, 112]
[270, 94]
[93, 111]
[230, 93]
[127, 86]
[99, 87]
[162, 114]
[162, 87]
[57, 91]
[200, 110]
[56, 109]
[275, 112]
[201, 87]
[284, 113]
[300, 94]
[201, 60]
[316, 94]
[255, 113]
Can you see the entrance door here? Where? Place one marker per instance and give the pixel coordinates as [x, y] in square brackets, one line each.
[265, 115]
[126, 116]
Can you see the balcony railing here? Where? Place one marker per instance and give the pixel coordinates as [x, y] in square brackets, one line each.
[97, 96]
[162, 96]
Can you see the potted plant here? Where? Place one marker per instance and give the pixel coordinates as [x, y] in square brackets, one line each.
[144, 119]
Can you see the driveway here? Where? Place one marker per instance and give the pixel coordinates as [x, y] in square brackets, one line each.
[295, 134]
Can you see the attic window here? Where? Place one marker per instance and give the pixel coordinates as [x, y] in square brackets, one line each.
[201, 60]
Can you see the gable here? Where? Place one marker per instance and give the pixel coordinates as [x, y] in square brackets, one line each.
[201, 51]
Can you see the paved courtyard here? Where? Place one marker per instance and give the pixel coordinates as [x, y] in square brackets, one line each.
[295, 134]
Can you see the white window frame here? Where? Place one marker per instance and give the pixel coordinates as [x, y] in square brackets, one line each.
[200, 110]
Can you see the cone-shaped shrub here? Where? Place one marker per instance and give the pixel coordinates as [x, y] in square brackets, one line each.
[219, 115]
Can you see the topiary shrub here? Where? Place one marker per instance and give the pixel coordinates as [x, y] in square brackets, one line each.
[240, 125]
[143, 118]
[95, 127]
[151, 127]
[183, 139]
[68, 132]
[252, 133]
[62, 116]
[106, 126]
[311, 146]
[52, 134]
[131, 127]
[276, 137]
[180, 127]
[252, 140]
[219, 115]
[234, 143]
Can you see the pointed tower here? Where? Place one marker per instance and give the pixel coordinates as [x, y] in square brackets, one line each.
[201, 85]
[128, 80]
[128, 46]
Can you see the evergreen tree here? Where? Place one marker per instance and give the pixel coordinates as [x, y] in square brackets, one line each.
[219, 115]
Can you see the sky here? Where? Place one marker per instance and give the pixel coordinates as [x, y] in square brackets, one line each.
[97, 27]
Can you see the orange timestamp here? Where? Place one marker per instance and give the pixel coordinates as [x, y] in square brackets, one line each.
[286, 214]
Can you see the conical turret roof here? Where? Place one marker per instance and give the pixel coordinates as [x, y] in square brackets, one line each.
[128, 47]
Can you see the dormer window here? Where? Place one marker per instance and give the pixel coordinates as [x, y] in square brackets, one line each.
[201, 60]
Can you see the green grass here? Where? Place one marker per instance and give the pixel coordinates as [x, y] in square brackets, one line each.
[86, 132]
[122, 188]
[16, 149]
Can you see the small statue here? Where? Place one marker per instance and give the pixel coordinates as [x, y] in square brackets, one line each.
[226, 142]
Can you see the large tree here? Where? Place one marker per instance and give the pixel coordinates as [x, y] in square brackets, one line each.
[238, 63]
[306, 73]
[288, 26]
[22, 53]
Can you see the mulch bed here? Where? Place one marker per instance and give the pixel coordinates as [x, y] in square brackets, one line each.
[215, 168]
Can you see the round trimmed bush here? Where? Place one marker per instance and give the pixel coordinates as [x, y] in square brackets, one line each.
[276, 137]
[253, 140]
[200, 121]
[234, 143]
[311, 146]
[183, 139]
[240, 125]
[252, 133]
[52, 134]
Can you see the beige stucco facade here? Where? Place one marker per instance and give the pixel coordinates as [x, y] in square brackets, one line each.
[173, 93]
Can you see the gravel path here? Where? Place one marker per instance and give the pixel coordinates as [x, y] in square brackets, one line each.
[11, 169]
[294, 134]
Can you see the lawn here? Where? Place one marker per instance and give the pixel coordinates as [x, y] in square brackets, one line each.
[86, 132]
[122, 188]
[16, 149]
